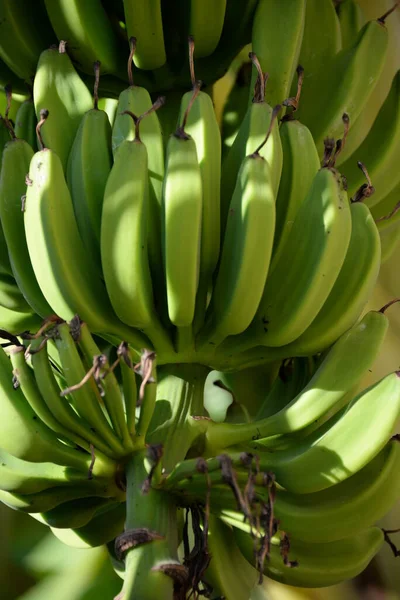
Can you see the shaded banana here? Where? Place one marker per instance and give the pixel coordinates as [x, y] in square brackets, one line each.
[144, 21]
[25, 123]
[205, 24]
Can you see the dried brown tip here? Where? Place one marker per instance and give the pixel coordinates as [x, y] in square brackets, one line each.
[293, 101]
[44, 113]
[329, 146]
[62, 47]
[180, 132]
[340, 144]
[132, 45]
[275, 111]
[259, 87]
[96, 67]
[367, 189]
[388, 305]
[191, 60]
[383, 18]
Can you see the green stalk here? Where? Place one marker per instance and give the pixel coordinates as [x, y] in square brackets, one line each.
[154, 512]
[180, 393]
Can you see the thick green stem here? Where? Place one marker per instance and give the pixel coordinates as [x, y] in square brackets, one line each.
[180, 393]
[150, 516]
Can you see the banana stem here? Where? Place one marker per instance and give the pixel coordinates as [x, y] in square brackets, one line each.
[150, 537]
[180, 393]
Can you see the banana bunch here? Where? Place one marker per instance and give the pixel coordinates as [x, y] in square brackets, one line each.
[242, 268]
[98, 30]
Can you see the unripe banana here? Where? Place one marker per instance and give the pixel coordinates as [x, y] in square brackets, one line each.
[10, 295]
[318, 565]
[340, 371]
[25, 123]
[246, 250]
[276, 40]
[17, 156]
[250, 136]
[88, 168]
[202, 126]
[67, 277]
[206, 23]
[59, 89]
[182, 203]
[144, 22]
[124, 226]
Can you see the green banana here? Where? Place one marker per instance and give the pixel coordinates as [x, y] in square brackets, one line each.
[129, 387]
[309, 264]
[59, 89]
[26, 437]
[136, 100]
[385, 212]
[344, 84]
[24, 32]
[206, 23]
[100, 530]
[17, 156]
[202, 126]
[9, 78]
[250, 136]
[25, 123]
[379, 151]
[246, 250]
[340, 371]
[182, 201]
[300, 165]
[228, 573]
[16, 322]
[318, 565]
[10, 295]
[74, 513]
[88, 168]
[89, 33]
[322, 37]
[351, 289]
[66, 275]
[144, 21]
[321, 461]
[58, 405]
[389, 239]
[21, 477]
[351, 20]
[276, 40]
[124, 226]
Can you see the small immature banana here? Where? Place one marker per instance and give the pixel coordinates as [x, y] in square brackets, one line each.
[59, 89]
[340, 371]
[26, 437]
[144, 21]
[17, 322]
[379, 150]
[250, 136]
[125, 222]
[59, 405]
[10, 295]
[73, 513]
[246, 250]
[318, 565]
[17, 156]
[22, 477]
[276, 40]
[206, 23]
[88, 30]
[88, 168]
[182, 202]
[351, 290]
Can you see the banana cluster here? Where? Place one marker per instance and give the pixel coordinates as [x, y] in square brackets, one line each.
[85, 435]
[100, 30]
[138, 216]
